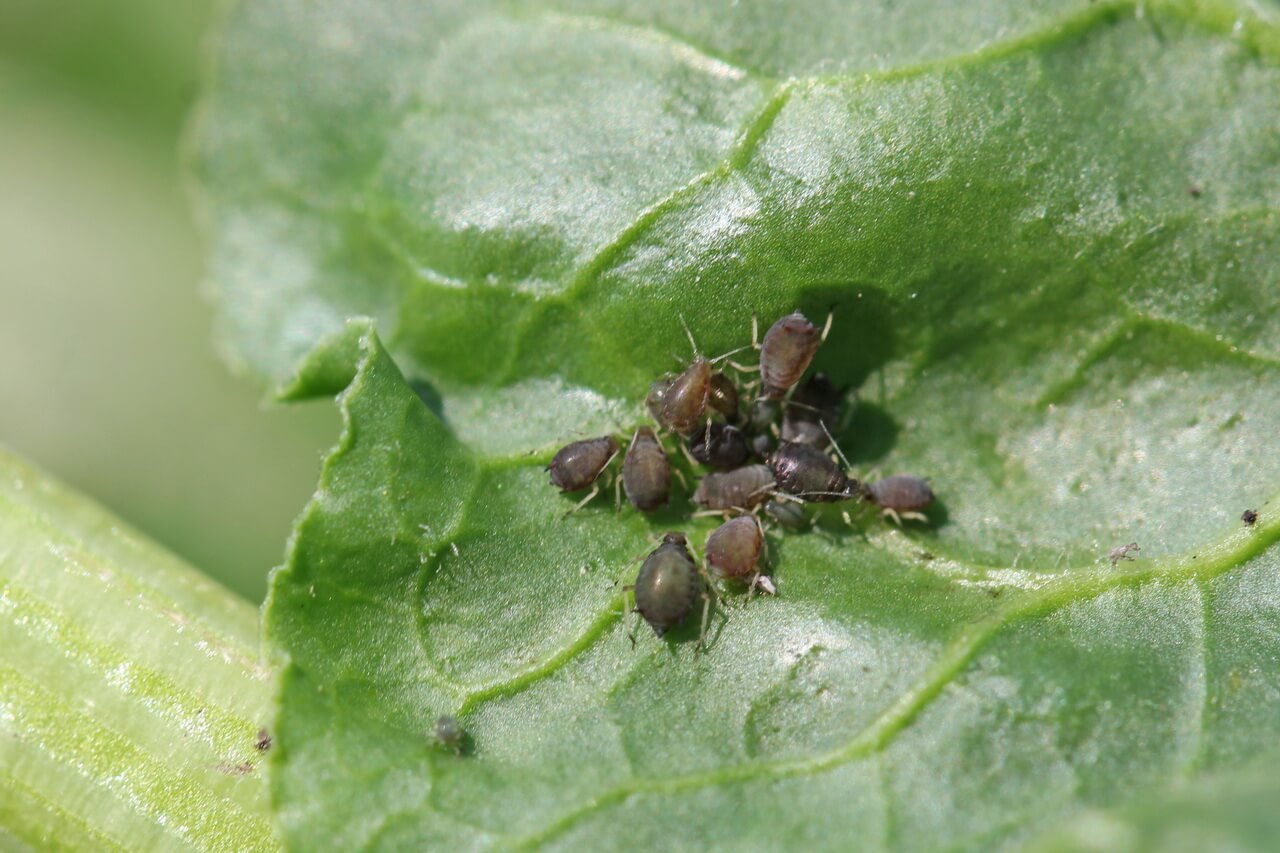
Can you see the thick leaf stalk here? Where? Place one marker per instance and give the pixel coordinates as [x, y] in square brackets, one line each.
[131, 691]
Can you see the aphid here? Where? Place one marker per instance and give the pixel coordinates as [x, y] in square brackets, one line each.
[580, 464]
[719, 445]
[685, 399]
[742, 488]
[733, 551]
[812, 410]
[668, 585]
[786, 351]
[263, 741]
[1249, 517]
[1123, 552]
[449, 733]
[901, 496]
[811, 475]
[787, 514]
[646, 472]
[723, 397]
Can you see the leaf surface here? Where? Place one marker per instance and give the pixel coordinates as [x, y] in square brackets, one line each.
[1049, 238]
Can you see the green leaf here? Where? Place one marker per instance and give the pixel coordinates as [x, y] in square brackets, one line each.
[1049, 235]
[131, 694]
[426, 580]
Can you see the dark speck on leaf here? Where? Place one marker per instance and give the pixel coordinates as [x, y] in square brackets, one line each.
[264, 740]
[1249, 517]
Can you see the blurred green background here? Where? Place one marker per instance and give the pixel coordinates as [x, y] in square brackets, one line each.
[108, 376]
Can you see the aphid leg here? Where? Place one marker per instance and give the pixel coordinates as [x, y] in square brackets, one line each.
[689, 456]
[743, 368]
[595, 490]
[707, 592]
[726, 514]
[914, 516]
[755, 332]
[826, 329]
[892, 515]
[684, 484]
[692, 342]
[617, 494]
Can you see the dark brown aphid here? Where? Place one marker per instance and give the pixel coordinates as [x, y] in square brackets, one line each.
[811, 475]
[719, 445]
[580, 464]
[739, 489]
[1249, 517]
[263, 741]
[668, 585]
[901, 496]
[646, 472]
[733, 551]
[449, 733]
[722, 397]
[787, 514]
[786, 351]
[812, 411]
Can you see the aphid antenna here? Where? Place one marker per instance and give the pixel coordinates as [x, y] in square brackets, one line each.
[725, 355]
[692, 342]
[827, 433]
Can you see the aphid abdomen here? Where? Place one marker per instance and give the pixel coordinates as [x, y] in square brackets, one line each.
[744, 488]
[901, 493]
[668, 584]
[722, 396]
[685, 401]
[646, 472]
[719, 445]
[786, 352]
[787, 514]
[733, 548]
[657, 394]
[806, 472]
[812, 411]
[577, 465]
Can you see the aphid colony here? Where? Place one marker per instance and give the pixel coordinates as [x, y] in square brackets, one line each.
[768, 443]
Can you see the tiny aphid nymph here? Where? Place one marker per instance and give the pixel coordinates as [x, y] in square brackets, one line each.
[449, 733]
